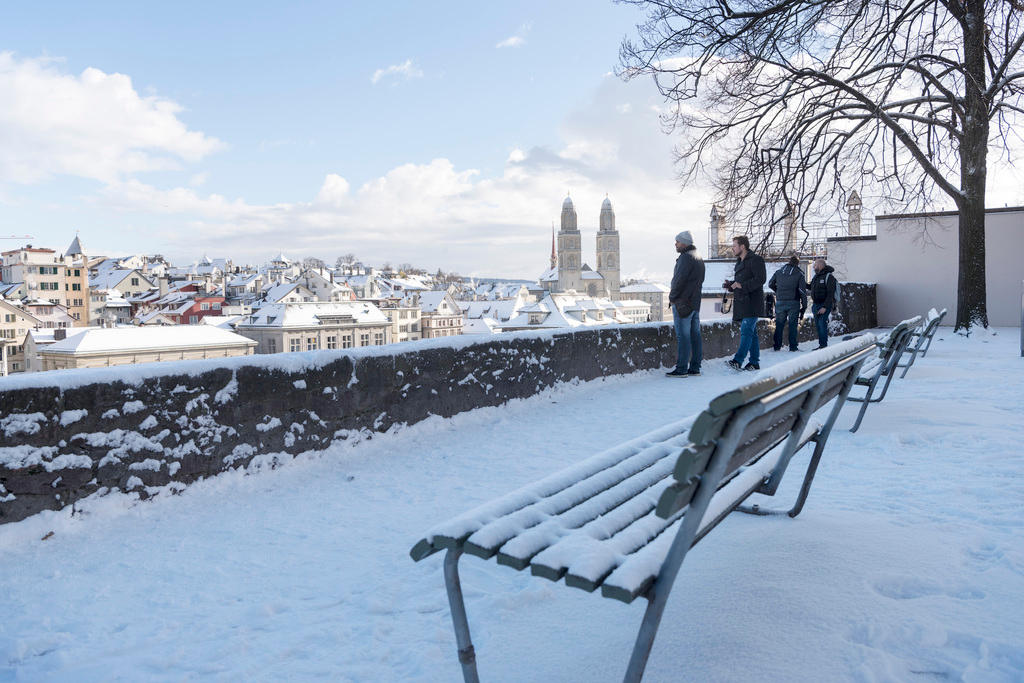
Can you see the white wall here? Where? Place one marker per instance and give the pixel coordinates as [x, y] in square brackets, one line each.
[914, 261]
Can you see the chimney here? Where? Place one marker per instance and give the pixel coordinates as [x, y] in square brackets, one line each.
[60, 333]
[161, 283]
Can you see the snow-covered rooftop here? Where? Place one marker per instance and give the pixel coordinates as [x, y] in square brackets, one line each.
[313, 313]
[906, 563]
[102, 340]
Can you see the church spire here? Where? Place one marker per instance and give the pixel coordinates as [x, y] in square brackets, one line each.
[554, 255]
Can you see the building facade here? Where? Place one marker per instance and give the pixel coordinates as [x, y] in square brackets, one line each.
[441, 315]
[103, 347]
[310, 326]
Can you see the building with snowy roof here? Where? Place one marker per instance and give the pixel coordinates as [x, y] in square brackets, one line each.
[441, 314]
[309, 326]
[101, 347]
[653, 293]
[561, 310]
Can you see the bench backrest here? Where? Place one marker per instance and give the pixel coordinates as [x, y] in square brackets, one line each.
[895, 342]
[742, 425]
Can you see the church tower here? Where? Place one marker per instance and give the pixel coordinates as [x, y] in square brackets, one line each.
[570, 250]
[608, 262]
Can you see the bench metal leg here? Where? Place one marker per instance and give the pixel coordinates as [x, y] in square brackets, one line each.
[819, 448]
[658, 594]
[863, 409]
[467, 656]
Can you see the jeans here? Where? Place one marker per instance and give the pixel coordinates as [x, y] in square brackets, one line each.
[689, 346]
[787, 312]
[748, 342]
[821, 322]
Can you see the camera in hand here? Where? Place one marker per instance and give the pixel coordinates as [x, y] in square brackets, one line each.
[728, 284]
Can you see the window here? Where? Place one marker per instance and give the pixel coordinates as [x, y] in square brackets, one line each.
[364, 339]
[7, 334]
[346, 341]
[8, 317]
[271, 346]
[15, 367]
[204, 306]
[76, 287]
[295, 345]
[216, 305]
[135, 282]
[193, 319]
[311, 344]
[78, 273]
[378, 338]
[332, 342]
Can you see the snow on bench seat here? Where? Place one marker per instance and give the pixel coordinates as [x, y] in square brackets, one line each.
[634, 574]
[484, 529]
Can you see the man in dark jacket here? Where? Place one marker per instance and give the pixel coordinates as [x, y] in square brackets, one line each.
[747, 287]
[684, 296]
[823, 288]
[790, 291]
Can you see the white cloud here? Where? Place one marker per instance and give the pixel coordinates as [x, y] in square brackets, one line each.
[518, 39]
[406, 70]
[95, 125]
[438, 214]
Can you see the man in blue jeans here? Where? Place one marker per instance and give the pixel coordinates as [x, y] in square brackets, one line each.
[684, 297]
[823, 291]
[747, 287]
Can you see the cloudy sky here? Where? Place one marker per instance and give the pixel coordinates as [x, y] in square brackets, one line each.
[441, 134]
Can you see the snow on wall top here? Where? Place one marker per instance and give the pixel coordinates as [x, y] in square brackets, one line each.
[285, 362]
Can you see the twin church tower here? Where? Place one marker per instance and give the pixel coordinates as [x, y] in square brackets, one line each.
[568, 272]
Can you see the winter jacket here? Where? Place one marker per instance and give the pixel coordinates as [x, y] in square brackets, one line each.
[748, 301]
[687, 282]
[788, 284]
[823, 288]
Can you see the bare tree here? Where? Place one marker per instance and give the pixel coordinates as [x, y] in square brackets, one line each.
[346, 260]
[312, 262]
[793, 104]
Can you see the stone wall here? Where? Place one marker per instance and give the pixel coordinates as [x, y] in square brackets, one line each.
[74, 433]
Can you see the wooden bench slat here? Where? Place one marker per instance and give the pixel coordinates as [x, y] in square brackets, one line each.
[517, 551]
[636, 573]
[454, 532]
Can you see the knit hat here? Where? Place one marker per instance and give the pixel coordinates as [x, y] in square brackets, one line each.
[685, 237]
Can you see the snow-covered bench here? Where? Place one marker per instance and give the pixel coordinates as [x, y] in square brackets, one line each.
[923, 338]
[623, 520]
[883, 365]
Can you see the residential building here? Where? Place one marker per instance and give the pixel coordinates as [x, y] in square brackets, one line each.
[405, 321]
[633, 310]
[441, 314]
[324, 287]
[127, 282]
[43, 273]
[309, 326]
[15, 324]
[653, 293]
[100, 347]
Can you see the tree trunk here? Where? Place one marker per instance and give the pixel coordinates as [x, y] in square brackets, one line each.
[971, 309]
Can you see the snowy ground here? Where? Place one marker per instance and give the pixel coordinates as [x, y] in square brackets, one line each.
[906, 564]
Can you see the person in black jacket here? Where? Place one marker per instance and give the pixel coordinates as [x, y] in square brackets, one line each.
[791, 291]
[822, 288]
[747, 287]
[684, 296]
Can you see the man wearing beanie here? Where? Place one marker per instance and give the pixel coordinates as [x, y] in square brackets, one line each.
[684, 296]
